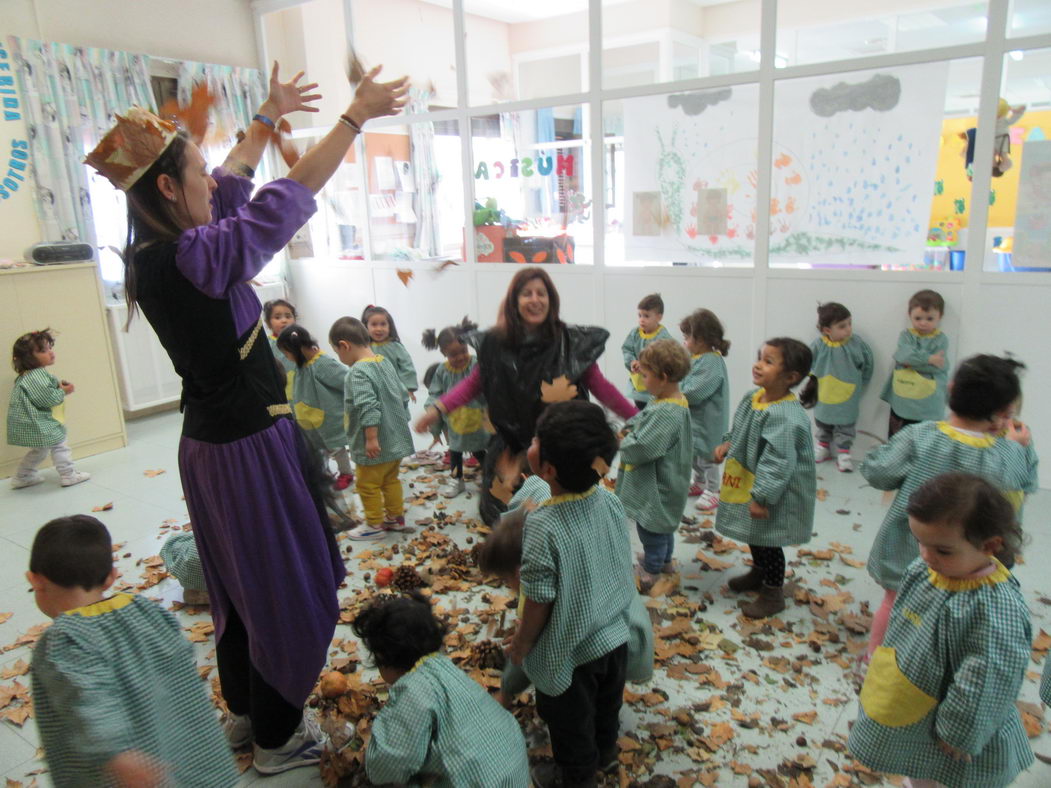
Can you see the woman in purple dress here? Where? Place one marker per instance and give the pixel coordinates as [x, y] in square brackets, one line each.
[195, 240]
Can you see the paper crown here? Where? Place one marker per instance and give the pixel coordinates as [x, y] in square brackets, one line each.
[131, 147]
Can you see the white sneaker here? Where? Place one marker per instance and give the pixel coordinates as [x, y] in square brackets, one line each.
[238, 730]
[21, 482]
[844, 463]
[304, 748]
[364, 533]
[821, 453]
[453, 488]
[707, 501]
[75, 478]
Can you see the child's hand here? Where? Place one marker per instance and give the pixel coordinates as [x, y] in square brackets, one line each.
[937, 359]
[412, 397]
[135, 769]
[516, 652]
[67, 387]
[952, 752]
[436, 442]
[372, 447]
[758, 511]
[427, 420]
[1018, 432]
[720, 451]
[636, 367]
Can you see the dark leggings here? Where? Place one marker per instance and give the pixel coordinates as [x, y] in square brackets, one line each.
[897, 424]
[274, 719]
[770, 561]
[456, 462]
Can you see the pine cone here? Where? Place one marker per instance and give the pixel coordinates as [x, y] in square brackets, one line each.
[487, 654]
[406, 578]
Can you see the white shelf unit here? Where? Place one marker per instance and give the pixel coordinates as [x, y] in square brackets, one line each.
[147, 378]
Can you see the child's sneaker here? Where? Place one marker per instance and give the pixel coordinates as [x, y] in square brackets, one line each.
[343, 481]
[21, 482]
[75, 478]
[821, 452]
[844, 463]
[395, 523]
[304, 748]
[237, 729]
[708, 501]
[695, 490]
[365, 532]
[453, 488]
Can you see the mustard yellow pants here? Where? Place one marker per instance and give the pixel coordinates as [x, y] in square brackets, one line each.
[380, 491]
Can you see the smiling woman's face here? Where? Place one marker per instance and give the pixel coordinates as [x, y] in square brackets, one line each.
[533, 303]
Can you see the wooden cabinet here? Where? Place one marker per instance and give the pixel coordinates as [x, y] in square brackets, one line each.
[67, 299]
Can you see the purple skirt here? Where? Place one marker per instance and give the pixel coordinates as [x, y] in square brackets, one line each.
[266, 551]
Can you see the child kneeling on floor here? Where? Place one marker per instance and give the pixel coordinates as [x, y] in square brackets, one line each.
[576, 576]
[438, 724]
[116, 692]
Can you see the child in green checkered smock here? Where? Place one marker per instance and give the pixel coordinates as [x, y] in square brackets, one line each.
[387, 343]
[36, 412]
[183, 562]
[438, 727]
[467, 427]
[576, 576]
[769, 480]
[916, 389]
[317, 398]
[707, 390]
[656, 459]
[938, 702]
[842, 368]
[650, 312]
[377, 428]
[279, 314]
[116, 693]
[984, 391]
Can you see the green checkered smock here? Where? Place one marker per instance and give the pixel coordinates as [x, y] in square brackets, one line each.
[949, 669]
[656, 460]
[916, 390]
[576, 554]
[440, 728]
[842, 369]
[466, 424]
[1045, 682]
[707, 390]
[31, 414]
[399, 357]
[119, 675]
[317, 394]
[920, 452]
[635, 342]
[181, 559]
[770, 461]
[374, 397]
[533, 488]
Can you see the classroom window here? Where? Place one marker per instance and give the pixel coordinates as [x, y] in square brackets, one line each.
[1029, 17]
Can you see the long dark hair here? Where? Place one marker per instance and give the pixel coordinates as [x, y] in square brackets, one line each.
[151, 218]
[509, 323]
[796, 357]
[702, 324]
[293, 339]
[440, 340]
[371, 310]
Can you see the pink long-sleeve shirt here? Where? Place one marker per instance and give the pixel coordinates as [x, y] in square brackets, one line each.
[604, 391]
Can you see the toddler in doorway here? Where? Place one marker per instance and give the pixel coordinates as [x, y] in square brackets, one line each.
[279, 314]
[656, 454]
[938, 702]
[651, 312]
[383, 335]
[769, 482]
[377, 428]
[707, 390]
[842, 368]
[916, 388]
[36, 412]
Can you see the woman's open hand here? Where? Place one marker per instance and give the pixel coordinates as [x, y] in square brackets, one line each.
[375, 99]
[289, 96]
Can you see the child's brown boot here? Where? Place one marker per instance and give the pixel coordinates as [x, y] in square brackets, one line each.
[771, 600]
[751, 581]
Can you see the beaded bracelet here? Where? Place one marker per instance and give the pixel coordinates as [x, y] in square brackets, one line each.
[348, 121]
[264, 120]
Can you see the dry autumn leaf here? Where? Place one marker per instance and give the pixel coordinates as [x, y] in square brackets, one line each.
[103, 507]
[405, 275]
[807, 717]
[20, 668]
[4, 617]
[150, 474]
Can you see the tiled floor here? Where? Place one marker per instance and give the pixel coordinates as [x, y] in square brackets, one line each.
[849, 516]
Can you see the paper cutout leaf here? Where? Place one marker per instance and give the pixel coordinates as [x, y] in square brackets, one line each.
[103, 508]
[600, 466]
[193, 118]
[558, 390]
[405, 275]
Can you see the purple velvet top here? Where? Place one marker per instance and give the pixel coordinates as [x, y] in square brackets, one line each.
[220, 258]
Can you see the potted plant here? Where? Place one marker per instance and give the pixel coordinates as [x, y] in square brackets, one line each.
[490, 230]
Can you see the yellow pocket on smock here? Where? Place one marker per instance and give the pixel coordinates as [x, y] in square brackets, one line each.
[833, 391]
[58, 412]
[888, 697]
[464, 421]
[289, 378]
[309, 418]
[636, 381]
[737, 483]
[1015, 497]
[910, 384]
